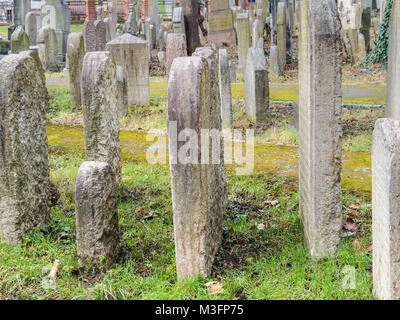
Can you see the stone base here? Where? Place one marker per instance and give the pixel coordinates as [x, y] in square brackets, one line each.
[222, 37]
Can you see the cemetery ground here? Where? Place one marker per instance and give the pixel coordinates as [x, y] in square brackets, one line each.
[263, 255]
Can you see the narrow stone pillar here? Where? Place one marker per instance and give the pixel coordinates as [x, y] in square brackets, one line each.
[99, 91]
[197, 176]
[75, 55]
[176, 47]
[320, 130]
[31, 27]
[244, 39]
[24, 169]
[225, 89]
[281, 35]
[47, 48]
[96, 198]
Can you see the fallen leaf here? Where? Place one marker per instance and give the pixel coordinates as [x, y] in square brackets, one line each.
[150, 216]
[351, 225]
[353, 119]
[353, 213]
[367, 249]
[368, 276]
[138, 209]
[215, 287]
[354, 206]
[272, 202]
[356, 244]
[260, 226]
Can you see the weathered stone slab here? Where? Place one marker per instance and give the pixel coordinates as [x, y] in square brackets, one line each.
[320, 129]
[96, 197]
[281, 35]
[31, 27]
[256, 85]
[219, 5]
[198, 185]
[20, 9]
[19, 40]
[225, 89]
[24, 169]
[221, 30]
[75, 55]
[176, 47]
[393, 94]
[178, 21]
[122, 92]
[100, 111]
[47, 48]
[244, 38]
[386, 209]
[131, 53]
[95, 33]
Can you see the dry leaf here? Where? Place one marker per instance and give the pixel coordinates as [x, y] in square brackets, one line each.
[367, 249]
[215, 287]
[354, 213]
[368, 276]
[356, 244]
[260, 226]
[272, 202]
[150, 216]
[354, 206]
[351, 225]
[54, 270]
[138, 209]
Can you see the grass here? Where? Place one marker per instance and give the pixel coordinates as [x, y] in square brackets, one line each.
[272, 263]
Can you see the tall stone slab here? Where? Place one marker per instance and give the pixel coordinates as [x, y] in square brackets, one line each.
[244, 38]
[319, 126]
[31, 27]
[256, 85]
[198, 182]
[393, 90]
[47, 48]
[176, 47]
[20, 9]
[225, 89]
[131, 53]
[178, 21]
[24, 169]
[19, 40]
[220, 21]
[281, 35]
[96, 198]
[100, 111]
[95, 35]
[75, 55]
[386, 209]
[57, 15]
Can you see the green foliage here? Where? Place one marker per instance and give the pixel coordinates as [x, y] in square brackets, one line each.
[380, 54]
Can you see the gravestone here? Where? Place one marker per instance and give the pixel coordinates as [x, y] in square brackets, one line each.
[319, 126]
[254, 31]
[176, 47]
[256, 85]
[131, 53]
[24, 169]
[178, 21]
[20, 10]
[281, 36]
[122, 92]
[31, 27]
[274, 69]
[47, 48]
[57, 15]
[386, 209]
[94, 34]
[96, 199]
[244, 40]
[101, 33]
[225, 89]
[75, 55]
[100, 111]
[19, 40]
[393, 83]
[220, 21]
[198, 187]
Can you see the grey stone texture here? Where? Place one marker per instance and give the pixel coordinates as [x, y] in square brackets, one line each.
[320, 132]
[176, 47]
[20, 9]
[31, 27]
[95, 33]
[131, 53]
[24, 169]
[47, 48]
[256, 85]
[225, 89]
[99, 91]
[198, 188]
[244, 38]
[281, 35]
[96, 197]
[75, 55]
[19, 40]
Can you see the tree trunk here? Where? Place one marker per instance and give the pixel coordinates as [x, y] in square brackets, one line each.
[191, 13]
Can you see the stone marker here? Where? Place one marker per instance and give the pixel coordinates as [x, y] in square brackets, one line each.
[281, 35]
[24, 169]
[255, 36]
[100, 112]
[273, 62]
[122, 92]
[75, 55]
[101, 33]
[198, 190]
[393, 83]
[19, 40]
[220, 21]
[178, 21]
[47, 48]
[96, 197]
[225, 89]
[176, 47]
[319, 126]
[244, 39]
[94, 33]
[386, 209]
[131, 53]
[256, 85]
[31, 27]
[20, 10]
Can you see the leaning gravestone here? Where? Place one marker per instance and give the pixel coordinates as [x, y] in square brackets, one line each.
[19, 40]
[100, 111]
[47, 48]
[131, 53]
[198, 187]
[320, 131]
[176, 47]
[31, 27]
[256, 85]
[393, 92]
[57, 15]
[75, 55]
[96, 197]
[225, 89]
[24, 169]
[244, 39]
[386, 209]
